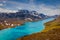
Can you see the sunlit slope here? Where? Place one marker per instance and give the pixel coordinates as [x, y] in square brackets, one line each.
[51, 32]
[53, 24]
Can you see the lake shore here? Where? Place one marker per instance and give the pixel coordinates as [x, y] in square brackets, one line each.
[10, 23]
[13, 22]
[51, 32]
[28, 28]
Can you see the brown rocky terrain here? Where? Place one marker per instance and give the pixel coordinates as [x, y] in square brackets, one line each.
[50, 35]
[11, 22]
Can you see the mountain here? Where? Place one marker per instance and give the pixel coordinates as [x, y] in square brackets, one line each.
[23, 14]
[43, 16]
[8, 20]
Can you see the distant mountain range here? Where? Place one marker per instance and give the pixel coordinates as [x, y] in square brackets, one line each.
[8, 20]
[25, 14]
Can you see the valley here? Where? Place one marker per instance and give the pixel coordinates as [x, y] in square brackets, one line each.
[51, 32]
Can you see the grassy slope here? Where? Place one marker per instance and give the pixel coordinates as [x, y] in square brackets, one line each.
[53, 24]
[51, 32]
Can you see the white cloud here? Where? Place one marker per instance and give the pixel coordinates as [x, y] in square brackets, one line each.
[1, 4]
[42, 8]
[48, 10]
[4, 1]
[2, 10]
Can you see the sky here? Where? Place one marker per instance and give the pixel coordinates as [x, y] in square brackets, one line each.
[48, 7]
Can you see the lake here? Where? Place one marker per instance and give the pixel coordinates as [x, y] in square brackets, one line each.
[27, 29]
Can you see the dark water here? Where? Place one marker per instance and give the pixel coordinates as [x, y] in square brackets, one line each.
[27, 29]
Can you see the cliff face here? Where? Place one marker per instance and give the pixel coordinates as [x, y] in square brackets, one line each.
[51, 32]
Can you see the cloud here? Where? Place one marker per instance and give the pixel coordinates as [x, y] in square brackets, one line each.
[48, 10]
[48, 2]
[42, 8]
[2, 10]
[1, 4]
[3, 0]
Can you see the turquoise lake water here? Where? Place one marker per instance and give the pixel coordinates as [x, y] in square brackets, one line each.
[27, 29]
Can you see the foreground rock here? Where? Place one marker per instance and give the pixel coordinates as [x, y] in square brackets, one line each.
[51, 32]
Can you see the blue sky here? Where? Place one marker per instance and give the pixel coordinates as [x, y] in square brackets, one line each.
[49, 7]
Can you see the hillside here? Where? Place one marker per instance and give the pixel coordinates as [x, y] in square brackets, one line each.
[52, 24]
[8, 20]
[51, 32]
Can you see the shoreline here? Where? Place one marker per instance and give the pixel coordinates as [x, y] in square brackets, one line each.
[47, 31]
